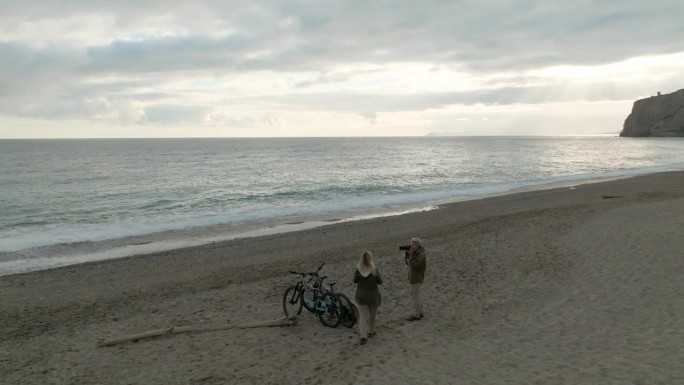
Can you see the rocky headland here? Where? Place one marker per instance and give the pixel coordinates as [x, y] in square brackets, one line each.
[660, 115]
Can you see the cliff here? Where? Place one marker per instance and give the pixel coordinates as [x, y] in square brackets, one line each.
[661, 115]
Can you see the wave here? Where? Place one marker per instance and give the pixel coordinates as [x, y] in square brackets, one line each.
[338, 202]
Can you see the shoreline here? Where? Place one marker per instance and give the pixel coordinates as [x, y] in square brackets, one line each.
[131, 246]
[343, 224]
[548, 286]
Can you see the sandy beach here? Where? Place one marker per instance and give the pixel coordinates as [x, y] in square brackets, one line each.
[574, 285]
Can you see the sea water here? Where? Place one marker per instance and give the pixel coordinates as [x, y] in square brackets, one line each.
[71, 201]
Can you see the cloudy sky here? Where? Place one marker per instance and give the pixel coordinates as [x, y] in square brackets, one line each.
[332, 68]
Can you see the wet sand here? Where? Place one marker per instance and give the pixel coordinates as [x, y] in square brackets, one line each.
[578, 285]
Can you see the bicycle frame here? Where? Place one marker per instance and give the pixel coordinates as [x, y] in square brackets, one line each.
[315, 295]
[312, 287]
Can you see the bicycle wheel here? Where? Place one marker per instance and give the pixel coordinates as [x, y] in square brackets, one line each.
[347, 315]
[330, 310]
[292, 301]
[309, 300]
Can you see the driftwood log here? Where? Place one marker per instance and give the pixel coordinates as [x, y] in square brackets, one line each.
[611, 196]
[285, 321]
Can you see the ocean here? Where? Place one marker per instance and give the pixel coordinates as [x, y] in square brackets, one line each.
[70, 201]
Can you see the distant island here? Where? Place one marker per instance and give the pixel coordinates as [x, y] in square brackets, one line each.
[660, 115]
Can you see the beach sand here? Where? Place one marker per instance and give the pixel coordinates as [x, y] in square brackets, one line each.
[557, 286]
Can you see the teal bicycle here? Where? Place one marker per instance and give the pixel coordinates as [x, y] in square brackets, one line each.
[311, 293]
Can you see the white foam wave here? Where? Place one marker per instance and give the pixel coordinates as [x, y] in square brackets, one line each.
[41, 250]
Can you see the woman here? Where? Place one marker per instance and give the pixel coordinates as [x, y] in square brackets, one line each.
[367, 279]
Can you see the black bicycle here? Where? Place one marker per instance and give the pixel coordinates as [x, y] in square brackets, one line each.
[349, 313]
[310, 292]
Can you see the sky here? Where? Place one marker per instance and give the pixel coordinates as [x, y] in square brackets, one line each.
[332, 68]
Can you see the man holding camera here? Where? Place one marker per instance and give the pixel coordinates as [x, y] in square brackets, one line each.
[416, 261]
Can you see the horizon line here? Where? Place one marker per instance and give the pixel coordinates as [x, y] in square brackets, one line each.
[429, 135]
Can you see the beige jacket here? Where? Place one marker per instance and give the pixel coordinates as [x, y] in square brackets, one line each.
[417, 263]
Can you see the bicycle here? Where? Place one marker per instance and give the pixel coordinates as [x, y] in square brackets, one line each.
[311, 293]
[349, 313]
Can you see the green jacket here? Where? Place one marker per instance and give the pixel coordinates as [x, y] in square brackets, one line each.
[367, 291]
[417, 263]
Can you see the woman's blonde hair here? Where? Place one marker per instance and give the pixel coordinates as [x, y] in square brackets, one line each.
[366, 265]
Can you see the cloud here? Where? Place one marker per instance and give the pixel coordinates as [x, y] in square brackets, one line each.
[369, 104]
[178, 114]
[172, 62]
[27, 70]
[227, 120]
[175, 53]
[487, 35]
[371, 117]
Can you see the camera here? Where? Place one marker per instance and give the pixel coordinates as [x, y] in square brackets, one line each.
[405, 247]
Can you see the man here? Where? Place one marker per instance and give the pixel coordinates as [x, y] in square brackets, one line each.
[416, 261]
